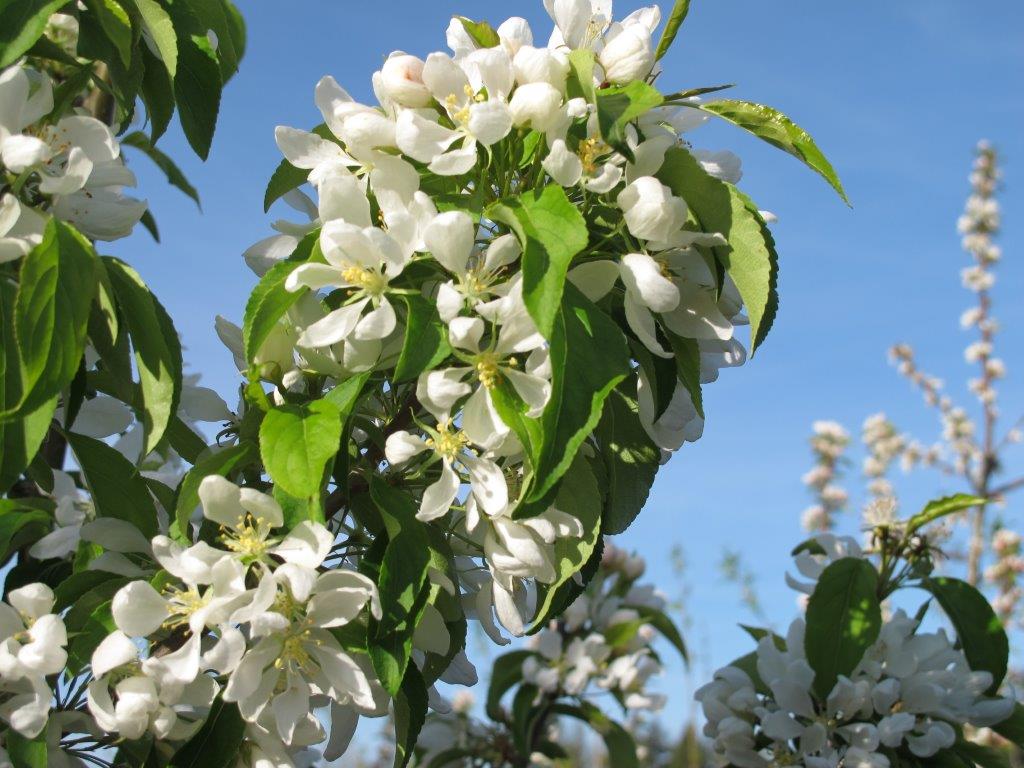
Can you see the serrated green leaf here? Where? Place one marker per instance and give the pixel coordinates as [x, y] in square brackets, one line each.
[979, 630]
[410, 715]
[117, 487]
[425, 343]
[197, 81]
[269, 300]
[843, 620]
[297, 442]
[620, 745]
[51, 313]
[551, 231]
[24, 752]
[750, 257]
[156, 346]
[22, 22]
[580, 497]
[675, 20]
[631, 460]
[214, 15]
[483, 34]
[687, 360]
[506, 673]
[581, 75]
[174, 175]
[287, 177]
[618, 106]
[116, 24]
[939, 508]
[22, 523]
[158, 24]
[778, 130]
[157, 92]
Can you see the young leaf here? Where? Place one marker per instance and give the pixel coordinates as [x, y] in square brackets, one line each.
[22, 22]
[580, 497]
[117, 487]
[156, 345]
[116, 24]
[51, 313]
[174, 175]
[161, 31]
[979, 630]
[675, 20]
[750, 258]
[269, 300]
[297, 442]
[222, 463]
[581, 75]
[618, 106]
[843, 619]
[506, 673]
[551, 231]
[23, 522]
[426, 339]
[24, 752]
[779, 131]
[631, 460]
[287, 177]
[687, 359]
[215, 15]
[483, 34]
[948, 505]
[620, 745]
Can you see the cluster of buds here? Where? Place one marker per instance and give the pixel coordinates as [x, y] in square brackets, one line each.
[1004, 573]
[828, 443]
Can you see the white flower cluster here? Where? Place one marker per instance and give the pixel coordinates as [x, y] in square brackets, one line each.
[255, 609]
[446, 115]
[828, 443]
[910, 690]
[1005, 572]
[601, 639]
[70, 167]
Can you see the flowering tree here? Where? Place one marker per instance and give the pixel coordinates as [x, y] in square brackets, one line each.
[464, 368]
[858, 681]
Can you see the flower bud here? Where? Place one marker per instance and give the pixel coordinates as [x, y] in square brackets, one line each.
[628, 56]
[541, 65]
[651, 211]
[536, 104]
[402, 81]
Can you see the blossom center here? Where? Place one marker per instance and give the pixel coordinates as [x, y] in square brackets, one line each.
[448, 443]
[487, 369]
[372, 282]
[249, 537]
[589, 151]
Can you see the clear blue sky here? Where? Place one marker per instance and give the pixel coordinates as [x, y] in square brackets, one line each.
[896, 93]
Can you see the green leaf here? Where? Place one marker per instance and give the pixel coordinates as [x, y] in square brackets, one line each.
[779, 131]
[981, 754]
[22, 523]
[661, 622]
[410, 714]
[269, 300]
[981, 634]
[687, 359]
[174, 175]
[618, 106]
[297, 442]
[161, 31]
[506, 673]
[224, 463]
[402, 582]
[1012, 728]
[116, 24]
[948, 505]
[77, 585]
[217, 743]
[157, 92]
[589, 357]
[22, 22]
[675, 20]
[20, 438]
[216, 15]
[551, 231]
[483, 34]
[631, 460]
[24, 752]
[117, 487]
[156, 346]
[197, 81]
[620, 745]
[51, 313]
[581, 75]
[750, 257]
[426, 340]
[843, 619]
[580, 497]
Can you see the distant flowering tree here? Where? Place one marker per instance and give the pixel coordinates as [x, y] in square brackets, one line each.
[461, 370]
[857, 681]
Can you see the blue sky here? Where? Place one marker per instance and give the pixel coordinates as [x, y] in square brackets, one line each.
[896, 93]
